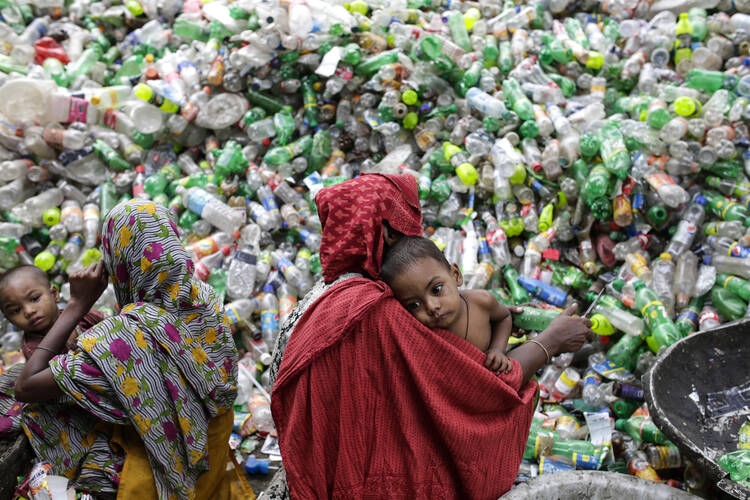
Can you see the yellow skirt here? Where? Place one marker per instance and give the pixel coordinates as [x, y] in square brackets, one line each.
[218, 483]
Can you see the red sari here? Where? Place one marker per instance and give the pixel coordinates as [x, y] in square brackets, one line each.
[370, 403]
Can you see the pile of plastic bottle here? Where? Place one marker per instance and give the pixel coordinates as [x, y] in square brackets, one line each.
[564, 151]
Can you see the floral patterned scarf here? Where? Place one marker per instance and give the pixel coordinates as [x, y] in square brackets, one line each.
[166, 364]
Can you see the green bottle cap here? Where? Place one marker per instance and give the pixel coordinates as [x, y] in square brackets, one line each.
[44, 260]
[410, 120]
[519, 176]
[685, 106]
[51, 216]
[91, 256]
[409, 97]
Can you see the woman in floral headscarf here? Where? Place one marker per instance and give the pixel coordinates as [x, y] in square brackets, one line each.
[147, 391]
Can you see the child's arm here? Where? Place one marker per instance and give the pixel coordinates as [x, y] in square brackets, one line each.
[36, 382]
[501, 327]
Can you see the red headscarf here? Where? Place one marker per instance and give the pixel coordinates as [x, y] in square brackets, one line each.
[352, 215]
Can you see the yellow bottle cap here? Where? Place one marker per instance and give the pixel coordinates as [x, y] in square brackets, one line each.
[467, 173]
[685, 106]
[518, 176]
[596, 60]
[601, 325]
[409, 97]
[143, 92]
[470, 17]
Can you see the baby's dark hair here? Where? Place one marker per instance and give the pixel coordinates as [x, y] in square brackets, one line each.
[17, 272]
[405, 252]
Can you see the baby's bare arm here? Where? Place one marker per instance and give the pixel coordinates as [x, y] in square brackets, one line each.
[501, 322]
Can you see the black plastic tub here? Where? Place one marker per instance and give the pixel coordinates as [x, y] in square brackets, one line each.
[698, 393]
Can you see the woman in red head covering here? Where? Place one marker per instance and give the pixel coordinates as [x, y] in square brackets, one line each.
[367, 401]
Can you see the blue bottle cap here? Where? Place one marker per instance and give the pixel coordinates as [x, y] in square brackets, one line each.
[700, 200]
[707, 260]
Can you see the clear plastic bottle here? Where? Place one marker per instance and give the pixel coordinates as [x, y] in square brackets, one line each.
[241, 273]
[691, 221]
[212, 210]
[663, 281]
[686, 274]
[269, 315]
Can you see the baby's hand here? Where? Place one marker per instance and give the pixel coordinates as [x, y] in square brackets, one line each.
[497, 361]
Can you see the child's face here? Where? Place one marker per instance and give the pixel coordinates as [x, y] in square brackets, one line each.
[429, 291]
[30, 304]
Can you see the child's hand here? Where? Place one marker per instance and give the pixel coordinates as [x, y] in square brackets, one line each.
[497, 361]
[87, 284]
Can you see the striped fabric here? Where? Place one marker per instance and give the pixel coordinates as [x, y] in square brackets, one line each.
[166, 364]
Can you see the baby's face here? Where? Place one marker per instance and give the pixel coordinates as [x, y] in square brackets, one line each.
[429, 291]
[29, 304]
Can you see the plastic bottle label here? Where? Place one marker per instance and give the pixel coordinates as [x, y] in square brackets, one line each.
[283, 265]
[77, 110]
[286, 304]
[70, 211]
[202, 271]
[246, 257]
[547, 466]
[269, 320]
[611, 370]
[586, 462]
[688, 314]
[204, 247]
[659, 180]
[591, 379]
[232, 314]
[76, 238]
[197, 201]
[736, 250]
[303, 233]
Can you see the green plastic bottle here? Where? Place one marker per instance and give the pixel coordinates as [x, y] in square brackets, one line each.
[729, 305]
[568, 275]
[517, 292]
[726, 209]
[655, 314]
[710, 81]
[736, 285]
[613, 151]
[534, 318]
[109, 156]
[597, 183]
[283, 154]
[687, 320]
[458, 30]
[157, 183]
[518, 100]
[624, 351]
[229, 160]
[641, 428]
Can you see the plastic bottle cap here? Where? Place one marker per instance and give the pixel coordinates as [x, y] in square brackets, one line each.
[638, 284]
[143, 92]
[595, 61]
[665, 255]
[618, 284]
[409, 97]
[684, 106]
[51, 216]
[268, 289]
[410, 120]
[95, 100]
[700, 200]
[44, 260]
